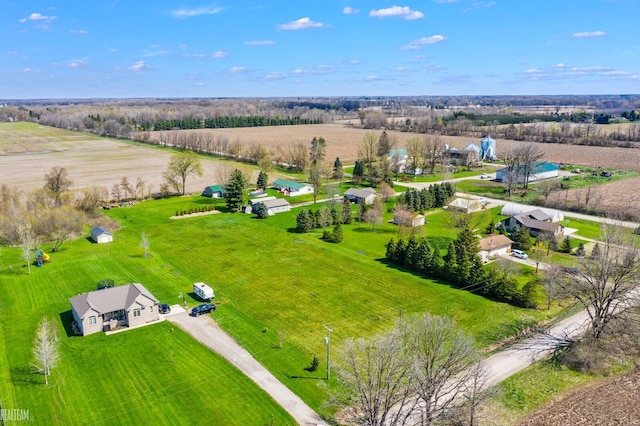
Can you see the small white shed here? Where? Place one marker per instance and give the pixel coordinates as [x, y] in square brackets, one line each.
[101, 235]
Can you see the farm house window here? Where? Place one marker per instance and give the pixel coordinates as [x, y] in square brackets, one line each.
[92, 320]
[136, 313]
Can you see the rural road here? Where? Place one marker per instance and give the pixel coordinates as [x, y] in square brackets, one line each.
[205, 330]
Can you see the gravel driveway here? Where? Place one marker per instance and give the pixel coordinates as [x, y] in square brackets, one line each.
[205, 330]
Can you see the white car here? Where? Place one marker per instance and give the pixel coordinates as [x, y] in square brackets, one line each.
[484, 176]
[519, 254]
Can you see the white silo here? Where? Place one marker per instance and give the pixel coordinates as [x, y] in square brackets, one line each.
[488, 149]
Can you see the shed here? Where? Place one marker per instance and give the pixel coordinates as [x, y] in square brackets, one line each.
[465, 205]
[273, 205]
[541, 170]
[405, 218]
[214, 191]
[101, 235]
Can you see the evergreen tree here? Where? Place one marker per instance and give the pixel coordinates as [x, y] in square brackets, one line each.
[399, 252]
[436, 263]
[528, 295]
[337, 164]
[304, 223]
[261, 211]
[347, 213]
[391, 250]
[596, 252]
[336, 235]
[450, 262]
[580, 252]
[491, 227]
[358, 171]
[235, 190]
[411, 253]
[566, 245]
[423, 257]
[314, 218]
[335, 215]
[262, 180]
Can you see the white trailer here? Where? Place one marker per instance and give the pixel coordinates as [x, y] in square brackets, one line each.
[203, 291]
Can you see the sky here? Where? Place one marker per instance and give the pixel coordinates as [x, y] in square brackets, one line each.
[276, 48]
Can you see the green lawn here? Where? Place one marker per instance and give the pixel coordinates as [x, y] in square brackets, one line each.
[276, 291]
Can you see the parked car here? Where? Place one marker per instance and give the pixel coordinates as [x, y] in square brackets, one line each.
[204, 308]
[164, 308]
[484, 176]
[519, 254]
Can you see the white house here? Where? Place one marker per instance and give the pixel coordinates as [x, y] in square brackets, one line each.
[493, 246]
[291, 188]
[101, 235]
[122, 306]
[273, 205]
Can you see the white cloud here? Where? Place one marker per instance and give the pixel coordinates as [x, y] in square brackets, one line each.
[403, 69]
[259, 43]
[28, 70]
[588, 34]
[301, 24]
[237, 70]
[445, 1]
[82, 32]
[397, 11]
[275, 76]
[77, 64]
[38, 17]
[348, 10]
[567, 72]
[136, 67]
[220, 54]
[151, 53]
[185, 13]
[417, 44]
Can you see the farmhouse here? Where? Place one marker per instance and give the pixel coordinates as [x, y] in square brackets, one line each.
[214, 191]
[128, 305]
[535, 221]
[512, 209]
[405, 218]
[359, 196]
[493, 246]
[291, 188]
[274, 205]
[101, 235]
[540, 170]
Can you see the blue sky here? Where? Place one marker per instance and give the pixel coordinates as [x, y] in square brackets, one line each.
[245, 48]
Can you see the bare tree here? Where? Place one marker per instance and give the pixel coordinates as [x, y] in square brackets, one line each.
[27, 239]
[512, 162]
[432, 152]
[45, 350]
[386, 191]
[546, 187]
[415, 146]
[315, 174]
[551, 283]
[367, 150]
[59, 225]
[373, 215]
[57, 182]
[376, 374]
[603, 283]
[529, 154]
[180, 167]
[145, 243]
[296, 157]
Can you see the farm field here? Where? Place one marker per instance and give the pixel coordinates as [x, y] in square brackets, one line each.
[29, 151]
[343, 142]
[271, 298]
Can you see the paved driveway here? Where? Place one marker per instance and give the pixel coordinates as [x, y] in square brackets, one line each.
[205, 330]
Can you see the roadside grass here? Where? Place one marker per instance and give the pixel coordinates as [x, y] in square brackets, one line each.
[156, 372]
[525, 392]
[591, 176]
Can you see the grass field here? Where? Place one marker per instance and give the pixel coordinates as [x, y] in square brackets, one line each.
[272, 299]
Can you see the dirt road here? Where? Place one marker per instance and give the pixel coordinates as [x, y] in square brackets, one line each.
[205, 330]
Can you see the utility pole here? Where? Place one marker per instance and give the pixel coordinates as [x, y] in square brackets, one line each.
[327, 342]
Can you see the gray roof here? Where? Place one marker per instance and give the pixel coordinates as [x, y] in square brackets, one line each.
[538, 215]
[278, 202]
[98, 230]
[255, 201]
[360, 193]
[530, 223]
[110, 299]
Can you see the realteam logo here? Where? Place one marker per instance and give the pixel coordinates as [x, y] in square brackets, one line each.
[14, 415]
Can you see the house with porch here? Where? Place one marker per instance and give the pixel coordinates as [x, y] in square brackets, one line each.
[111, 308]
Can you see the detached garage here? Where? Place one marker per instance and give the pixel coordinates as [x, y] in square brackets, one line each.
[101, 235]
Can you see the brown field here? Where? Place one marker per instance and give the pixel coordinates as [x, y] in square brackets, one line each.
[618, 196]
[613, 401]
[343, 142]
[29, 151]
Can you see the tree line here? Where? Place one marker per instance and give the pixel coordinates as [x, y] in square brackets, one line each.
[224, 122]
[418, 201]
[462, 267]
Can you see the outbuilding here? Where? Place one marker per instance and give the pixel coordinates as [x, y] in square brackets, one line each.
[291, 188]
[541, 170]
[214, 191]
[101, 235]
[406, 218]
[494, 246]
[359, 196]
